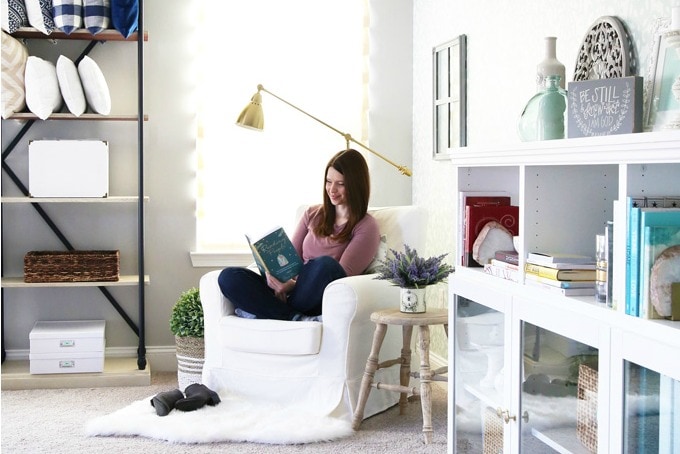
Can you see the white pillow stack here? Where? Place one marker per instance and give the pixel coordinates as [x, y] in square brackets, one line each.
[48, 86]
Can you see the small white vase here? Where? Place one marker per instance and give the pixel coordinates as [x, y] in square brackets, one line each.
[550, 65]
[412, 300]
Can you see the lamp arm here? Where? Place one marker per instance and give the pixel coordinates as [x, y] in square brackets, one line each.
[403, 169]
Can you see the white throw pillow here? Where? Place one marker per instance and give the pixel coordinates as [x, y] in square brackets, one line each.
[42, 87]
[39, 14]
[380, 256]
[70, 86]
[14, 56]
[94, 85]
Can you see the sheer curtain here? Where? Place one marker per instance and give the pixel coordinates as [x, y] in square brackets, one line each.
[311, 53]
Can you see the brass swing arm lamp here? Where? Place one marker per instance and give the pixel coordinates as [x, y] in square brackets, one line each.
[252, 117]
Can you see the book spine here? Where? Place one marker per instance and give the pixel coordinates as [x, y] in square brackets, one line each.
[502, 272]
[586, 291]
[508, 257]
[646, 261]
[633, 260]
[561, 284]
[541, 271]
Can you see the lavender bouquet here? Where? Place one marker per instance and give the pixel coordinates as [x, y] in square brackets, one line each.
[408, 270]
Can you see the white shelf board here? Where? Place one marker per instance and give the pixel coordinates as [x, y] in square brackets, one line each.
[112, 199]
[117, 372]
[126, 280]
[640, 148]
[561, 440]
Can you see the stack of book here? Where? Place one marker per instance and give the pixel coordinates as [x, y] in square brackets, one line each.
[567, 274]
[653, 226]
[505, 265]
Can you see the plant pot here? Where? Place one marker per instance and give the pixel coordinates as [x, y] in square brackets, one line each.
[190, 358]
[412, 300]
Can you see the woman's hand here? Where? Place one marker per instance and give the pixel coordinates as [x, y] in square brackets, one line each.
[281, 289]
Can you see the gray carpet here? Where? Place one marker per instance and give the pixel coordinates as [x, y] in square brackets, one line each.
[52, 421]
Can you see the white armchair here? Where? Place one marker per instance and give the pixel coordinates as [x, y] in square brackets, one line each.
[315, 364]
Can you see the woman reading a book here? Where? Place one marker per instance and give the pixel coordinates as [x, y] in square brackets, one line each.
[335, 239]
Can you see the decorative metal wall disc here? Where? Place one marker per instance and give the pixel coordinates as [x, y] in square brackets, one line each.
[604, 52]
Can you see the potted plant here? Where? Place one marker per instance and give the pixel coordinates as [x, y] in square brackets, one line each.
[186, 323]
[412, 274]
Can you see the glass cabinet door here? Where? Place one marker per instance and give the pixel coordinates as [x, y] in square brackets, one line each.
[558, 403]
[651, 417]
[479, 349]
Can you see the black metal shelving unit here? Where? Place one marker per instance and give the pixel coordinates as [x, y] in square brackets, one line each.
[30, 120]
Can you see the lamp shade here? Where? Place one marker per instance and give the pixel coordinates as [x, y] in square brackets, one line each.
[252, 116]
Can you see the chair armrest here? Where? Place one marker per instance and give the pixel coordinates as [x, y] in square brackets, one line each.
[215, 306]
[347, 327]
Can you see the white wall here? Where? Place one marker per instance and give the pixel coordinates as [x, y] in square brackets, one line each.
[169, 174]
[505, 42]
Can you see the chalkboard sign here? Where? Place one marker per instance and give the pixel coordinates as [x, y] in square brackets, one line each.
[602, 107]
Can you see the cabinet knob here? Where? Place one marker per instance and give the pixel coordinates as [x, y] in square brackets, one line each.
[505, 414]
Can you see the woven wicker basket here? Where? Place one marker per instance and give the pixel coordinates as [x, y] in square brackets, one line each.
[190, 359]
[586, 407]
[71, 266]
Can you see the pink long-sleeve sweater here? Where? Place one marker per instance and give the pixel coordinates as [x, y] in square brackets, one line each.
[354, 256]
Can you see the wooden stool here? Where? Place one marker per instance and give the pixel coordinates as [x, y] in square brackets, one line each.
[407, 322]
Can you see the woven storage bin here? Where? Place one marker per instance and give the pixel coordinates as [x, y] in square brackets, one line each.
[586, 407]
[190, 359]
[493, 432]
[71, 266]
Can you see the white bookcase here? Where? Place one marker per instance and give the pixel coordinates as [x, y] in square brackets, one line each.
[515, 349]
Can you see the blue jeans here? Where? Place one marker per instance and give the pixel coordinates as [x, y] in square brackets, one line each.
[249, 291]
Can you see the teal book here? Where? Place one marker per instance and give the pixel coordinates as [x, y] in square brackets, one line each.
[274, 253]
[660, 229]
[632, 258]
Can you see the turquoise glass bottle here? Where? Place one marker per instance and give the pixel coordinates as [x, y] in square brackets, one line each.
[545, 115]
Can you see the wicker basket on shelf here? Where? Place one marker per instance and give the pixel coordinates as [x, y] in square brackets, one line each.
[71, 266]
[586, 407]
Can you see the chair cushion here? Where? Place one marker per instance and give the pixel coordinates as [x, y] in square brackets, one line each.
[274, 337]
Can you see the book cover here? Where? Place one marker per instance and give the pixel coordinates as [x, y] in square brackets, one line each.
[583, 291]
[545, 258]
[567, 266]
[556, 283]
[274, 253]
[476, 198]
[476, 218]
[659, 229]
[560, 274]
[508, 257]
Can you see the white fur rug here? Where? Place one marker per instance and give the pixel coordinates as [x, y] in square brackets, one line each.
[234, 419]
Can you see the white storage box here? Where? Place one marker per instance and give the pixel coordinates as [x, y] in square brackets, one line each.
[64, 347]
[68, 168]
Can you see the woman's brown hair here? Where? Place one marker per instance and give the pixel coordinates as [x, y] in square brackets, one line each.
[352, 165]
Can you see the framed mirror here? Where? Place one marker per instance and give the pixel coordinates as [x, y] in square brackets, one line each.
[449, 97]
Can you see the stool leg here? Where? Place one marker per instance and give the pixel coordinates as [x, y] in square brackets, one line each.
[405, 368]
[369, 373]
[425, 381]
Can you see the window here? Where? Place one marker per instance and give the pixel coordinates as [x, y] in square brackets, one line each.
[311, 54]
[450, 88]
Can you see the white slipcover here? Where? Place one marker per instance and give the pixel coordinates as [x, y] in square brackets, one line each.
[318, 365]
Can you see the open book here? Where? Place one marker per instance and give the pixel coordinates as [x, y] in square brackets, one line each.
[274, 253]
